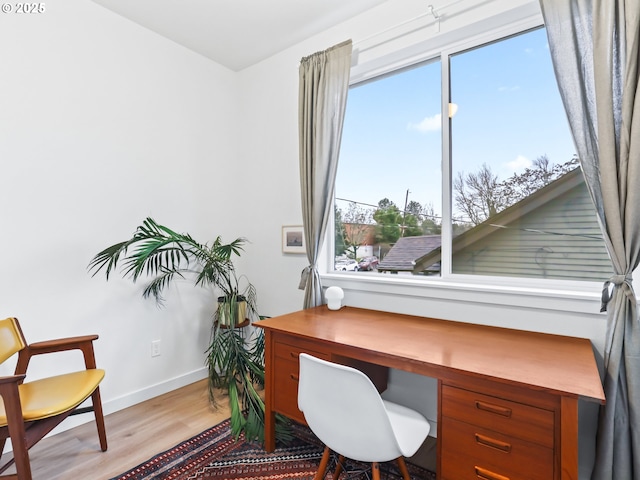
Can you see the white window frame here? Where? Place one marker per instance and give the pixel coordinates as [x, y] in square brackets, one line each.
[560, 295]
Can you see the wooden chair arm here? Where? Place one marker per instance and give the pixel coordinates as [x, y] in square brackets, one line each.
[61, 344]
[11, 379]
[83, 343]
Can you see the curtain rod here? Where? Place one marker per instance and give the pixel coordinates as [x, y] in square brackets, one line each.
[430, 11]
[401, 24]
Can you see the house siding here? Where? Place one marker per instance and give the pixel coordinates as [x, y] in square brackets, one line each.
[561, 240]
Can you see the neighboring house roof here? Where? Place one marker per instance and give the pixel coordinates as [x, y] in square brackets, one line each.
[552, 233]
[403, 254]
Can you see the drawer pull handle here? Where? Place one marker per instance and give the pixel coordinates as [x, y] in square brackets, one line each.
[294, 377]
[493, 443]
[484, 474]
[488, 407]
[293, 354]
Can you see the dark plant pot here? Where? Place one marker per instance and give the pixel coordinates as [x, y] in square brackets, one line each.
[231, 310]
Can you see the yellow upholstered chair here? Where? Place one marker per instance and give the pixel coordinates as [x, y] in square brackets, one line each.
[30, 410]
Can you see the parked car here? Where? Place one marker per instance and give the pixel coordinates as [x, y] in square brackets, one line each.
[368, 263]
[346, 265]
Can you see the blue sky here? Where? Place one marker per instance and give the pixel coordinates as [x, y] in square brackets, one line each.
[509, 113]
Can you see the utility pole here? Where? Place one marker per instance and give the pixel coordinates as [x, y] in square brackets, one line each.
[404, 214]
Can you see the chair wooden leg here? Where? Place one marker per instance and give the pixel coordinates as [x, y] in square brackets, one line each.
[375, 471]
[323, 464]
[403, 468]
[15, 426]
[338, 471]
[3, 442]
[97, 411]
[20, 451]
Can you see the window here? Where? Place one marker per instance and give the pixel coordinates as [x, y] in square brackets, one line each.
[389, 183]
[515, 202]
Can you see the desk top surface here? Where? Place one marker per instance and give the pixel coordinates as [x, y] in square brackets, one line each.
[559, 364]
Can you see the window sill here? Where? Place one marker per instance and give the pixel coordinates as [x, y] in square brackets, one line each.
[556, 296]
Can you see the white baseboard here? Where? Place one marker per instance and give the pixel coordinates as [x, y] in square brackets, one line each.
[152, 391]
[130, 399]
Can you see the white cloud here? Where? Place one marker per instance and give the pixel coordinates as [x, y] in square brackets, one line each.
[509, 89]
[519, 163]
[429, 124]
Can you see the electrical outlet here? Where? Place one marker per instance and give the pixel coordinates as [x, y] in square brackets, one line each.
[155, 348]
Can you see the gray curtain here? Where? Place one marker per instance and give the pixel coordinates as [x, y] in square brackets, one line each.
[324, 83]
[594, 46]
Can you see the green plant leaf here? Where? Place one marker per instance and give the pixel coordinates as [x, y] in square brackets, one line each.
[160, 254]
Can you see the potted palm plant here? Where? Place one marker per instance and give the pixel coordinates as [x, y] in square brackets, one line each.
[235, 362]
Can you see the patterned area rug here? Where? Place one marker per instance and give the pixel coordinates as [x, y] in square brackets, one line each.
[214, 454]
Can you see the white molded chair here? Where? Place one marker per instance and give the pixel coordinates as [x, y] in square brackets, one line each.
[345, 411]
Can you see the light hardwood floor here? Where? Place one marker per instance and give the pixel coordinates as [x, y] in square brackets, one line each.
[134, 435]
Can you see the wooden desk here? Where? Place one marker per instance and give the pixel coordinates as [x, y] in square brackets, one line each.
[507, 399]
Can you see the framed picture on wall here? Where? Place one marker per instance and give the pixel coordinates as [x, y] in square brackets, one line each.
[293, 239]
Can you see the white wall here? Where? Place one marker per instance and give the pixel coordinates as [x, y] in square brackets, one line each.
[103, 123]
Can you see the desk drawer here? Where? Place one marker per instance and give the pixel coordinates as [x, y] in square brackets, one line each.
[287, 371]
[518, 420]
[471, 452]
[287, 352]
